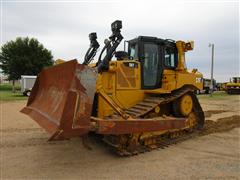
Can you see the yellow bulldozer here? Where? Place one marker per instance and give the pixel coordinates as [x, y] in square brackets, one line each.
[135, 100]
[233, 87]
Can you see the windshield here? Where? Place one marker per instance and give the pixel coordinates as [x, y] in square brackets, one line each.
[236, 79]
[133, 51]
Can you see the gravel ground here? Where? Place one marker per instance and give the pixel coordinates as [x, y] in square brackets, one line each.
[25, 153]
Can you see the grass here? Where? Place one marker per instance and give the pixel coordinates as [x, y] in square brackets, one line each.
[215, 96]
[7, 95]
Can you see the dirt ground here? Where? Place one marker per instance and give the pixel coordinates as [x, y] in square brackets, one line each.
[25, 153]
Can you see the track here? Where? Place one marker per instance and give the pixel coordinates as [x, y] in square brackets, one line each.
[132, 144]
[151, 102]
[210, 127]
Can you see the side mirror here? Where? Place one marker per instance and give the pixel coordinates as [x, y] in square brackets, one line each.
[92, 36]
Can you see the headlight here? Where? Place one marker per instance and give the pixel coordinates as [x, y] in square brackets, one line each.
[116, 25]
[92, 36]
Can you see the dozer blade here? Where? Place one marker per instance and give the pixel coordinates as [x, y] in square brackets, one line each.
[61, 100]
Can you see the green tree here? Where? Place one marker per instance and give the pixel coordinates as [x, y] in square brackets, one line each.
[24, 56]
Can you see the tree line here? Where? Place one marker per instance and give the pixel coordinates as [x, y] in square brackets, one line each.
[24, 56]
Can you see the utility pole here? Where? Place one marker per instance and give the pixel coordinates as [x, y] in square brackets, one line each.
[211, 86]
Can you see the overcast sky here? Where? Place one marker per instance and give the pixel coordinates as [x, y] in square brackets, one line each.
[63, 27]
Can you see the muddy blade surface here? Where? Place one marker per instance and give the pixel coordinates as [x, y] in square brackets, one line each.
[61, 100]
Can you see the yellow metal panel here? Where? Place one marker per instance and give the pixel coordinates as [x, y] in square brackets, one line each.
[128, 75]
[157, 91]
[169, 80]
[107, 81]
[123, 84]
[189, 78]
[104, 109]
[128, 98]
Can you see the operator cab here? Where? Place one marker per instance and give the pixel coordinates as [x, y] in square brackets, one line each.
[236, 79]
[155, 55]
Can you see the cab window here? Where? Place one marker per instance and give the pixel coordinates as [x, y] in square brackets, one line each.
[150, 65]
[133, 51]
[170, 57]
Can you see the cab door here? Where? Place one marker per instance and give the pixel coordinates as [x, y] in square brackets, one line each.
[151, 65]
